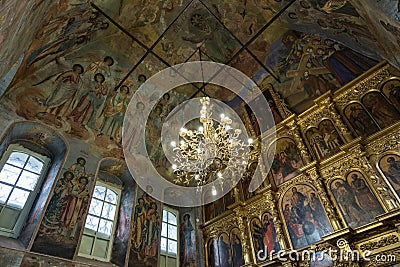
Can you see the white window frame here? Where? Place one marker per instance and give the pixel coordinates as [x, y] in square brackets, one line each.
[15, 232]
[165, 253]
[118, 190]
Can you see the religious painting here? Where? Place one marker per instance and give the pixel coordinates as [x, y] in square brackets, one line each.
[229, 198]
[224, 251]
[360, 120]
[310, 65]
[325, 140]
[209, 211]
[272, 108]
[380, 109]
[213, 255]
[153, 131]
[321, 259]
[357, 203]
[64, 215]
[187, 237]
[390, 166]
[391, 89]
[121, 238]
[219, 206]
[246, 180]
[236, 248]
[263, 235]
[305, 217]
[286, 161]
[146, 226]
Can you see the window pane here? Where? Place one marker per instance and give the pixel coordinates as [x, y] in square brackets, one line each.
[164, 229]
[95, 207]
[165, 216]
[4, 192]
[171, 218]
[9, 174]
[172, 247]
[92, 222]
[9, 217]
[17, 159]
[100, 248]
[172, 232]
[108, 211]
[99, 192]
[28, 180]
[34, 165]
[86, 244]
[111, 196]
[105, 227]
[163, 244]
[18, 198]
[171, 261]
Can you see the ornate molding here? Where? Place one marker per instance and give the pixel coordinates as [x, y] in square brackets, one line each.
[261, 205]
[313, 118]
[295, 132]
[380, 243]
[390, 141]
[221, 226]
[355, 91]
[343, 165]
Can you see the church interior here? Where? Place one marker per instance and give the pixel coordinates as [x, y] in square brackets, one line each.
[328, 192]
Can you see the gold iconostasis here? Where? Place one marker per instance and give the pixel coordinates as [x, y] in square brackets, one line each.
[335, 176]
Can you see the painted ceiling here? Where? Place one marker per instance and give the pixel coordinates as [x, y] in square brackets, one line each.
[302, 48]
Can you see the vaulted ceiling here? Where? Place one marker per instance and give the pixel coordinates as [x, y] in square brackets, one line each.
[272, 41]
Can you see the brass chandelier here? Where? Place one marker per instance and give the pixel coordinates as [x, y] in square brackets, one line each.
[215, 151]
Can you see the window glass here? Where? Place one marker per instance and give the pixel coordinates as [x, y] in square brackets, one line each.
[100, 223]
[17, 159]
[169, 238]
[21, 173]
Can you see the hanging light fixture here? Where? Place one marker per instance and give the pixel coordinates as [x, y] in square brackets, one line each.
[213, 151]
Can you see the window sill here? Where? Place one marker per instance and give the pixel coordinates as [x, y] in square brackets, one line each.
[9, 242]
[94, 262]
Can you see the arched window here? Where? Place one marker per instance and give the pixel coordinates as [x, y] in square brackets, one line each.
[21, 176]
[100, 225]
[169, 238]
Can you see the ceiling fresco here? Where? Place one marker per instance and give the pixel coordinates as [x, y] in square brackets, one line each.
[84, 56]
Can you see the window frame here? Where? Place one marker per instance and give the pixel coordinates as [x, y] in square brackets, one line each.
[16, 231]
[165, 253]
[117, 189]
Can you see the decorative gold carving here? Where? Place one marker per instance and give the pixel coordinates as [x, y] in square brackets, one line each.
[343, 97]
[316, 114]
[344, 164]
[221, 226]
[355, 159]
[380, 243]
[337, 120]
[294, 131]
[242, 222]
[391, 257]
[356, 154]
[280, 103]
[390, 141]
